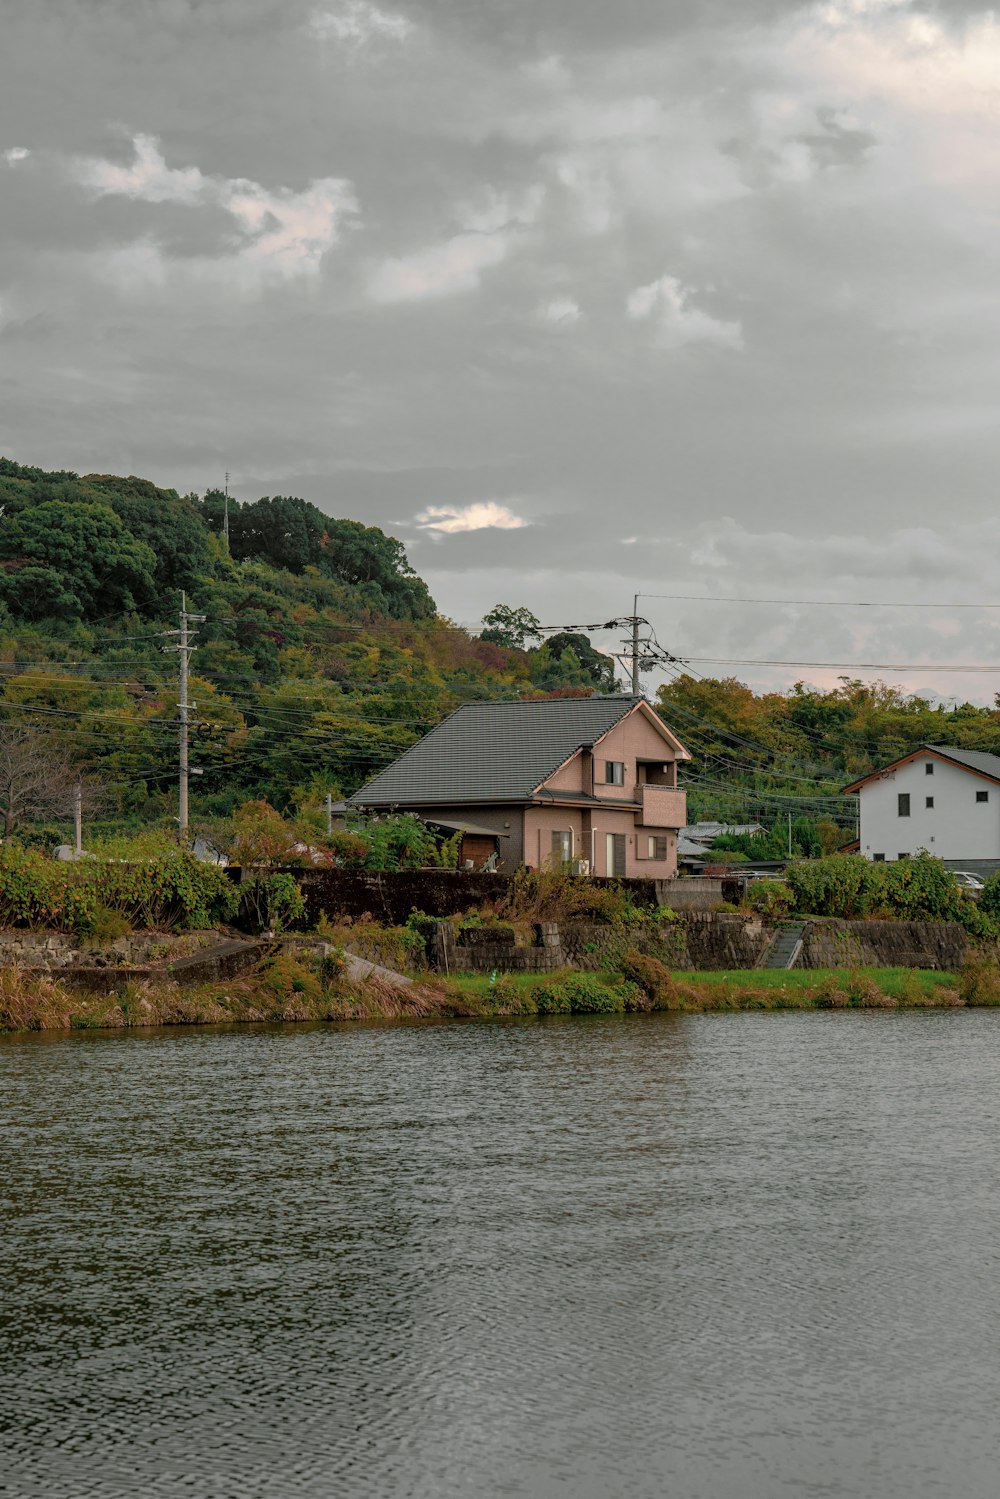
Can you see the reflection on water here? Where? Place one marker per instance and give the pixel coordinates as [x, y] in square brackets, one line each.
[709, 1257]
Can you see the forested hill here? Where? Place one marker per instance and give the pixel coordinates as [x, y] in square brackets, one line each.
[320, 658]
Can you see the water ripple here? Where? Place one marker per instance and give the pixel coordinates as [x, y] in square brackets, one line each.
[710, 1257]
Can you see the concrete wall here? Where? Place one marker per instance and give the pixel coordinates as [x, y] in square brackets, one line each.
[957, 827]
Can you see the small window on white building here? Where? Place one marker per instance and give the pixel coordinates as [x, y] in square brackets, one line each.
[614, 772]
[903, 856]
[982, 796]
[928, 767]
[878, 858]
[928, 801]
[904, 804]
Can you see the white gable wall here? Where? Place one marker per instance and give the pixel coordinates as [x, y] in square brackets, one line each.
[956, 827]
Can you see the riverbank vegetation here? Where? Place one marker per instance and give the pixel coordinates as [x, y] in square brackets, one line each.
[294, 988]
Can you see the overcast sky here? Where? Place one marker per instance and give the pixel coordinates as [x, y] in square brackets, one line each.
[578, 299]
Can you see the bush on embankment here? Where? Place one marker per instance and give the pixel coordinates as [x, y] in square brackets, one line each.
[917, 889]
[169, 890]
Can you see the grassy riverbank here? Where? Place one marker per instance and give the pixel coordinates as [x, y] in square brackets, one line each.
[284, 993]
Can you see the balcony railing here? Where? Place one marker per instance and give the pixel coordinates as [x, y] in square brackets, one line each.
[662, 807]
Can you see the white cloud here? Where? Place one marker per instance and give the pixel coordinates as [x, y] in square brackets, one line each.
[147, 177]
[16, 153]
[490, 227]
[482, 516]
[667, 303]
[281, 232]
[562, 311]
[439, 270]
[289, 232]
[360, 22]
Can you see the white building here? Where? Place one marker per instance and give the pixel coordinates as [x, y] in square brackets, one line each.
[938, 798]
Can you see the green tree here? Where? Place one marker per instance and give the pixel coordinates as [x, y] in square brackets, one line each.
[599, 669]
[509, 627]
[73, 561]
[168, 524]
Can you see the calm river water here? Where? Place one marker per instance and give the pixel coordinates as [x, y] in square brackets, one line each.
[705, 1257]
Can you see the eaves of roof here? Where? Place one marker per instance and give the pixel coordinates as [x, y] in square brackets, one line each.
[976, 762]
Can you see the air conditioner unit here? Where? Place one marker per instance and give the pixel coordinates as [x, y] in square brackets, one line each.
[581, 866]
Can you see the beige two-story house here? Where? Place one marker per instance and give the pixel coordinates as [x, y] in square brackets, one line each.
[592, 781]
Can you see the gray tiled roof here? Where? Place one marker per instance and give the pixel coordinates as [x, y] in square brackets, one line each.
[980, 760]
[493, 752]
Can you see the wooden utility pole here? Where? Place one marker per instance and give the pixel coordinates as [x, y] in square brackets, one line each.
[78, 816]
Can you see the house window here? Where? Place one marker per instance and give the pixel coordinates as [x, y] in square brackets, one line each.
[902, 856]
[928, 801]
[614, 772]
[562, 847]
[879, 858]
[928, 767]
[904, 804]
[651, 847]
[982, 796]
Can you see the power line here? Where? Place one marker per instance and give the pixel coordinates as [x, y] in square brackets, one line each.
[840, 665]
[704, 598]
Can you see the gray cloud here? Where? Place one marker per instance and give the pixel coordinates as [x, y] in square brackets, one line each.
[719, 278]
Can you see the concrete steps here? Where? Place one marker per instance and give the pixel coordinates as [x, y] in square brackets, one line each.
[785, 946]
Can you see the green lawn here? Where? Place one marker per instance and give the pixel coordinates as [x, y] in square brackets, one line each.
[890, 980]
[778, 988]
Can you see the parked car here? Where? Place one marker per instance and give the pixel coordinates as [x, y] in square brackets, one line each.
[968, 881]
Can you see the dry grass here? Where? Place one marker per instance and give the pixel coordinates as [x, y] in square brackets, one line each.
[276, 993]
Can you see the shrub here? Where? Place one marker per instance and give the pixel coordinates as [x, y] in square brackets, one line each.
[272, 902]
[652, 977]
[979, 982]
[769, 898]
[107, 926]
[172, 889]
[919, 889]
[989, 897]
[286, 975]
[589, 995]
[552, 999]
[331, 967]
[556, 895]
[583, 994]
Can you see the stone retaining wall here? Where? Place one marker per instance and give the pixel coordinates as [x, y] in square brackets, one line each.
[703, 941]
[58, 950]
[884, 944]
[222, 961]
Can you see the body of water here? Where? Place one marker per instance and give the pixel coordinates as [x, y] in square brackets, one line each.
[702, 1257]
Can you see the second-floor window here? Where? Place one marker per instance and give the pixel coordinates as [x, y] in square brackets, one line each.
[614, 772]
[904, 804]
